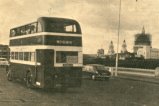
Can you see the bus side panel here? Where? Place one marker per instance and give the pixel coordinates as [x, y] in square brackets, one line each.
[20, 72]
[16, 70]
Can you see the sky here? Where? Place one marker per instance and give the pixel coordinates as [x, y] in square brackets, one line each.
[99, 19]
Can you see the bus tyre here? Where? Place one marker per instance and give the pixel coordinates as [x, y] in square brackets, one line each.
[9, 75]
[29, 80]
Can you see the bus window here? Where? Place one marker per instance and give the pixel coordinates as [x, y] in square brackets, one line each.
[62, 26]
[26, 56]
[28, 30]
[23, 32]
[20, 55]
[70, 28]
[33, 27]
[56, 27]
[18, 32]
[12, 33]
[66, 57]
[16, 55]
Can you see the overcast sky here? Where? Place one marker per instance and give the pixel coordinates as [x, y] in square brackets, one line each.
[98, 19]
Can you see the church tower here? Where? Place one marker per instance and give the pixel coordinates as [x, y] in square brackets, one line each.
[124, 47]
[111, 49]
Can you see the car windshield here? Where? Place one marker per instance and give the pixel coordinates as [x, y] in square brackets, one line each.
[100, 69]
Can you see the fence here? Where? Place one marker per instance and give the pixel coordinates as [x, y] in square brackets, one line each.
[137, 74]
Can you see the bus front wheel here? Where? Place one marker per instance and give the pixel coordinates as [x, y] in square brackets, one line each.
[29, 80]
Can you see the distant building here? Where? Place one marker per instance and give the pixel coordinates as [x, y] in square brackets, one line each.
[143, 47]
[142, 39]
[100, 53]
[148, 52]
[4, 51]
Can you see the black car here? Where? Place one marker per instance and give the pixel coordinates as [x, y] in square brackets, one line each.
[96, 71]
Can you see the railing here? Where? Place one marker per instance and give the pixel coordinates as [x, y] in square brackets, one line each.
[137, 74]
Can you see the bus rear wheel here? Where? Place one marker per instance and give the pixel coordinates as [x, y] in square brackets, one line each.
[29, 80]
[9, 75]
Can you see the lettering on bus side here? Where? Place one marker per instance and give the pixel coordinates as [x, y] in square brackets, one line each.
[64, 42]
[48, 40]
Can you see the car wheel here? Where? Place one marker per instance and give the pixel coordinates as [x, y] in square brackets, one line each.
[93, 77]
[29, 80]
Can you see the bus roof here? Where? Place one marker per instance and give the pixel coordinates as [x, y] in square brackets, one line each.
[56, 18]
[48, 18]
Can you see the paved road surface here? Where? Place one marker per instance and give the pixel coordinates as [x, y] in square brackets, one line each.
[115, 92]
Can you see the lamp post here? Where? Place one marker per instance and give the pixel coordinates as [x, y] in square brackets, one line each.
[117, 55]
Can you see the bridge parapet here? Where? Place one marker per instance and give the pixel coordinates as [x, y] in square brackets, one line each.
[146, 75]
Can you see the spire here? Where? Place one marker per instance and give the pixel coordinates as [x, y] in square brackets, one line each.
[111, 42]
[124, 47]
[124, 41]
[111, 49]
[143, 30]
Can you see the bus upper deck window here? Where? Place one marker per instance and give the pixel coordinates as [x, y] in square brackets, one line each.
[28, 31]
[33, 29]
[13, 32]
[70, 28]
[23, 32]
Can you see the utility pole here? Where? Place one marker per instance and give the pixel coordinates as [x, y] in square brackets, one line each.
[117, 55]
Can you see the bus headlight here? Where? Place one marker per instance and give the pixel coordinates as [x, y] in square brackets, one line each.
[38, 83]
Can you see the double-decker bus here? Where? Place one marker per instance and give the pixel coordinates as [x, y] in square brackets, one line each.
[47, 53]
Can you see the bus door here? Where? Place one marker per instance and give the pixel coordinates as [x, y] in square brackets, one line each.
[44, 57]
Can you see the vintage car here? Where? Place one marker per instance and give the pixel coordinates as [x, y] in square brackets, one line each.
[4, 62]
[96, 72]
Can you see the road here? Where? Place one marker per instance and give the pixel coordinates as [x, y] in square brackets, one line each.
[115, 92]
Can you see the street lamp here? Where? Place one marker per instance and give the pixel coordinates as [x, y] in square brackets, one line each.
[117, 55]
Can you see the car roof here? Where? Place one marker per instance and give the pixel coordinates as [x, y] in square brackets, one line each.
[2, 58]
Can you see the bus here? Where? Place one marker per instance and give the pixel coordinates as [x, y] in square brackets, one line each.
[46, 53]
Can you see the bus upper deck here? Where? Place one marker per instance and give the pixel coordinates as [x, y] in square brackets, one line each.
[47, 24]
